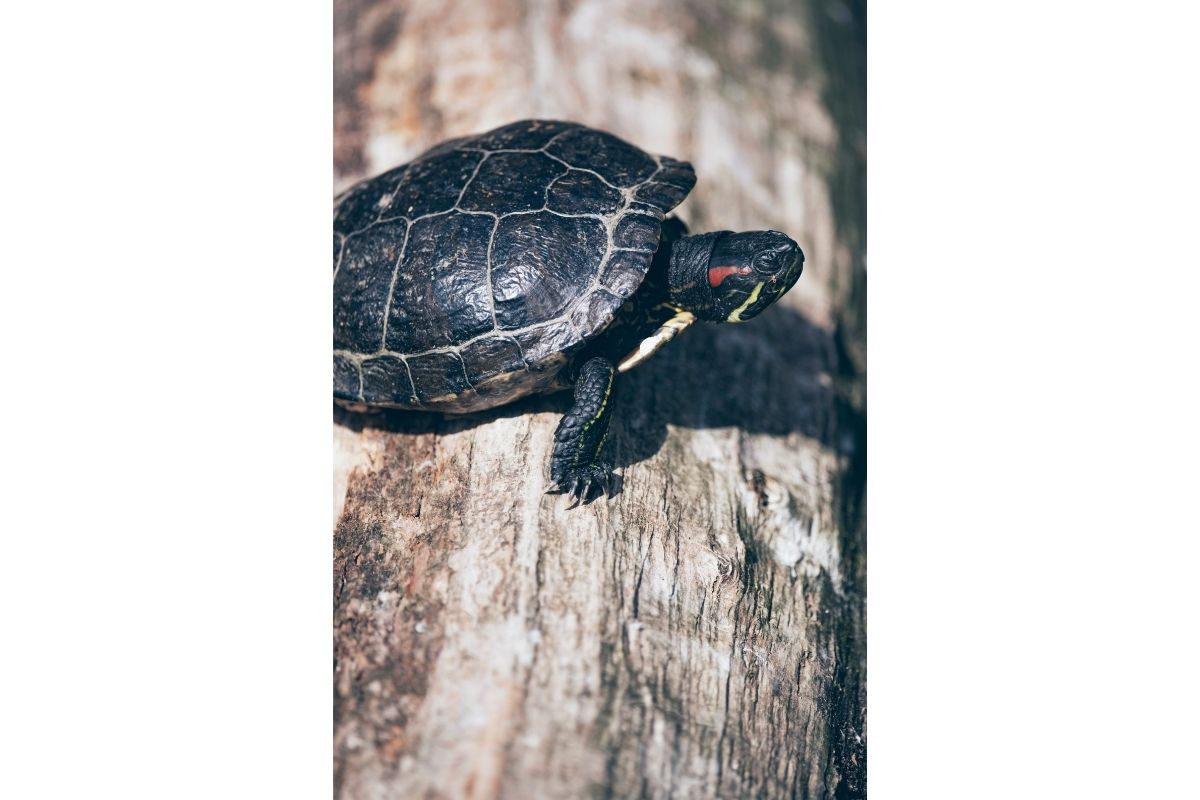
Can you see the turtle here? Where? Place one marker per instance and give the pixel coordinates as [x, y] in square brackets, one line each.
[533, 258]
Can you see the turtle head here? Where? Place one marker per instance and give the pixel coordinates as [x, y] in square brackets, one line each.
[731, 277]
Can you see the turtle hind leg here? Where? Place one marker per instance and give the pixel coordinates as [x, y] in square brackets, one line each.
[575, 463]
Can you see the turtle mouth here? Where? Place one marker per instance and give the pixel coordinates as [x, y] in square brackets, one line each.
[776, 286]
[786, 278]
[770, 289]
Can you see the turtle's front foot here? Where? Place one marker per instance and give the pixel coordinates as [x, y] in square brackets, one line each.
[579, 482]
[575, 465]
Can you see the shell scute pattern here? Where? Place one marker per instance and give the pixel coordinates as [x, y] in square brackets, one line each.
[637, 232]
[580, 192]
[387, 378]
[479, 357]
[466, 278]
[621, 164]
[595, 304]
[511, 181]
[430, 186]
[621, 277]
[357, 208]
[440, 297]
[531, 280]
[362, 281]
[347, 377]
[542, 345]
[339, 242]
[437, 375]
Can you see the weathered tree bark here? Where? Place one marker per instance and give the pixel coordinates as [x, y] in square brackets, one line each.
[703, 633]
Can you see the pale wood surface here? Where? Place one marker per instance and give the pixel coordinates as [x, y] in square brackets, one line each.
[703, 633]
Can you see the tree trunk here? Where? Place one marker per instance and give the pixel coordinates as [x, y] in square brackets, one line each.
[702, 634]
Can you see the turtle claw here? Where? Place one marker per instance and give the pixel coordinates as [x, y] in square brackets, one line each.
[576, 494]
[581, 482]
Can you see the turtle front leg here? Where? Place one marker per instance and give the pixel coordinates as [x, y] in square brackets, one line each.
[575, 464]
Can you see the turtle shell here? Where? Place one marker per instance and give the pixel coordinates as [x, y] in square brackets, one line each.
[469, 276]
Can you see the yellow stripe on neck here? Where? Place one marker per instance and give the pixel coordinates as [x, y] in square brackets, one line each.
[736, 316]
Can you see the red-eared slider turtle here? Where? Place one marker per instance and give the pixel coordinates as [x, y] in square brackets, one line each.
[529, 259]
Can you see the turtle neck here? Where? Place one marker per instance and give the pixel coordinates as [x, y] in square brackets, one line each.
[687, 275]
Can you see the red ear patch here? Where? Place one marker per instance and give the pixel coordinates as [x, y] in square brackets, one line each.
[718, 274]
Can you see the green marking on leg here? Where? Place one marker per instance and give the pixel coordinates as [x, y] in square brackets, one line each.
[595, 418]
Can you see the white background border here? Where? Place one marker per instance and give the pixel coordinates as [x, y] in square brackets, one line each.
[1033, 402]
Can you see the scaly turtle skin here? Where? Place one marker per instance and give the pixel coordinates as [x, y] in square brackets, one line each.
[530, 259]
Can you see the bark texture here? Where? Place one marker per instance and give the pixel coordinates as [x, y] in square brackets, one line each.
[703, 633]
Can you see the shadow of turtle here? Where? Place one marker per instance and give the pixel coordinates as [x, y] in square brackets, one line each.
[778, 375]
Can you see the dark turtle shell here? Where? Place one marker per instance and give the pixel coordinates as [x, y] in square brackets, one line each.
[467, 277]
